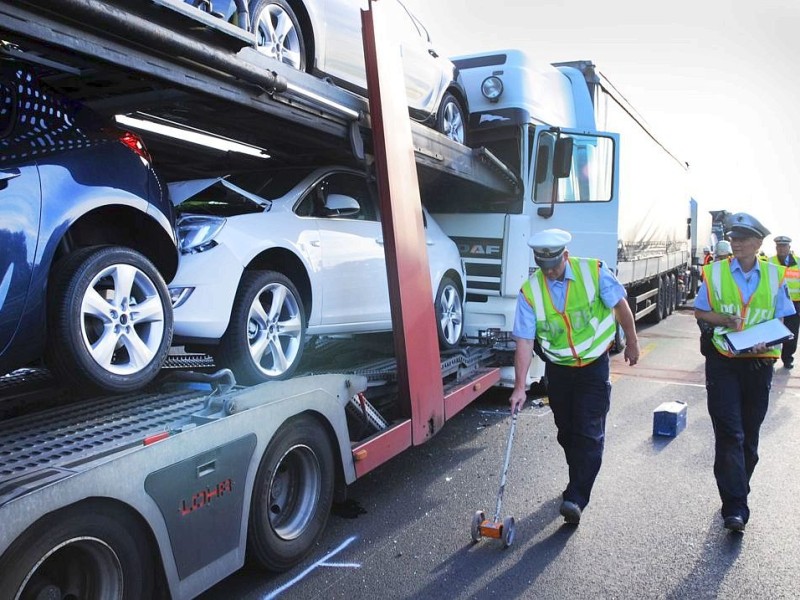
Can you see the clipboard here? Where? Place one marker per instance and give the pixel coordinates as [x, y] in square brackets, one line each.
[772, 333]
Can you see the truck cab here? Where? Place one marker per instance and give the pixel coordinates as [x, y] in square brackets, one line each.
[539, 121]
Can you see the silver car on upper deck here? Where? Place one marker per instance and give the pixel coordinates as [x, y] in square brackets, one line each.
[323, 37]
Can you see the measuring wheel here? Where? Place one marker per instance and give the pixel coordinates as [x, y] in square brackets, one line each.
[478, 518]
[508, 531]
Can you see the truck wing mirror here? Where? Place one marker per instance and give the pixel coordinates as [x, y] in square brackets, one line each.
[562, 157]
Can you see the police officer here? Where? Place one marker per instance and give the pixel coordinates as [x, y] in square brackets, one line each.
[735, 295]
[568, 307]
[784, 256]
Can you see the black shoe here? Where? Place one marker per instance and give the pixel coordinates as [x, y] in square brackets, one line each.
[788, 365]
[734, 523]
[571, 512]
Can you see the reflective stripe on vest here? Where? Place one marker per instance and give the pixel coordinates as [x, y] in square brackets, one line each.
[792, 277]
[725, 297]
[586, 327]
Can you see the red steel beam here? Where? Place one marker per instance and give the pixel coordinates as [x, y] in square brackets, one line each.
[416, 344]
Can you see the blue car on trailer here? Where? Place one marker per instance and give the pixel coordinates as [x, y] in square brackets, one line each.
[87, 242]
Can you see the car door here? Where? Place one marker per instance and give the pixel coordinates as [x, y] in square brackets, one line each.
[353, 274]
[20, 203]
[423, 72]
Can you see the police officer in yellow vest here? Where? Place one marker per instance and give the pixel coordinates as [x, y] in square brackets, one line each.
[785, 257]
[737, 294]
[568, 306]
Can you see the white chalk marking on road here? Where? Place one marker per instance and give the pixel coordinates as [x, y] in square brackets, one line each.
[320, 563]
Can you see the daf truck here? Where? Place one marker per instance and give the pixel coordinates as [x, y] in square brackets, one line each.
[623, 196]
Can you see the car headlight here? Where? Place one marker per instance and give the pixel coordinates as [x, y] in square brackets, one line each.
[491, 88]
[196, 233]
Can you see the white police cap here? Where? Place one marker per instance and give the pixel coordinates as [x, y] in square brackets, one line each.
[548, 246]
[783, 239]
[744, 225]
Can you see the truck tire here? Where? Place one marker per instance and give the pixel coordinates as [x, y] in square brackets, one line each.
[672, 296]
[278, 32]
[619, 340]
[109, 320]
[266, 334]
[292, 495]
[90, 551]
[449, 310]
[660, 299]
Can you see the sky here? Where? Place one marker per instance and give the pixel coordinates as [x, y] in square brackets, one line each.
[716, 80]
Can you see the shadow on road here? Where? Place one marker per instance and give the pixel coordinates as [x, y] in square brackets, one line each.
[473, 562]
[720, 551]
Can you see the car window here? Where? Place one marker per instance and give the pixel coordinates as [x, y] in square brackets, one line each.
[38, 122]
[345, 184]
[270, 184]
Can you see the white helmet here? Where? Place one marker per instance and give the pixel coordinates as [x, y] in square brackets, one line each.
[706, 249]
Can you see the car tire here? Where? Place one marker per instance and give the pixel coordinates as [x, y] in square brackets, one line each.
[292, 495]
[266, 334]
[278, 33]
[109, 320]
[449, 309]
[451, 119]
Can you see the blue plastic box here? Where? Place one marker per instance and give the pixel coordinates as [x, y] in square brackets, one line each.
[669, 418]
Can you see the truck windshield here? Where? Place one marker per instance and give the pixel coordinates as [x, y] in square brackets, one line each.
[590, 175]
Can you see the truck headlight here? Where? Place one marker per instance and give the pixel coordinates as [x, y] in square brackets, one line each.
[196, 233]
[492, 88]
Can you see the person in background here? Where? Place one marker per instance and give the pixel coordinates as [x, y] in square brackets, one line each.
[569, 306]
[735, 295]
[707, 256]
[723, 250]
[785, 257]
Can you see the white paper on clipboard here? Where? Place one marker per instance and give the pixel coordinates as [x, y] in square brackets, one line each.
[772, 333]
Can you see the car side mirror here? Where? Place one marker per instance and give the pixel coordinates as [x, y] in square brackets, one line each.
[340, 205]
[562, 157]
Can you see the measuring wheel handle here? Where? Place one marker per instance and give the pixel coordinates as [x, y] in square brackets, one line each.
[478, 518]
[508, 531]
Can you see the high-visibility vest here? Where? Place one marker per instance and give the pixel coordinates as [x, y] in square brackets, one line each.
[725, 297]
[792, 277]
[585, 329]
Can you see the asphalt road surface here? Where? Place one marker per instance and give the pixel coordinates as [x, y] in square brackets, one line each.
[652, 530]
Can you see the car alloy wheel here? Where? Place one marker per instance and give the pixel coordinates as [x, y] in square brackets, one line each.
[266, 334]
[449, 314]
[278, 33]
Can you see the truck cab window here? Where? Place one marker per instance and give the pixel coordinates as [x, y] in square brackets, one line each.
[591, 175]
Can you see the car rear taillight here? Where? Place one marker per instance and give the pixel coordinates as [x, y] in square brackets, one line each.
[135, 143]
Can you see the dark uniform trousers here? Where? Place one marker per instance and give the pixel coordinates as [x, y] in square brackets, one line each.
[792, 322]
[738, 398]
[580, 399]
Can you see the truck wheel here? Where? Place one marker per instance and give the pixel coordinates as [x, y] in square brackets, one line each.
[278, 32]
[660, 299]
[292, 495]
[619, 340]
[449, 314]
[110, 320]
[451, 119]
[265, 337]
[673, 293]
[88, 552]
